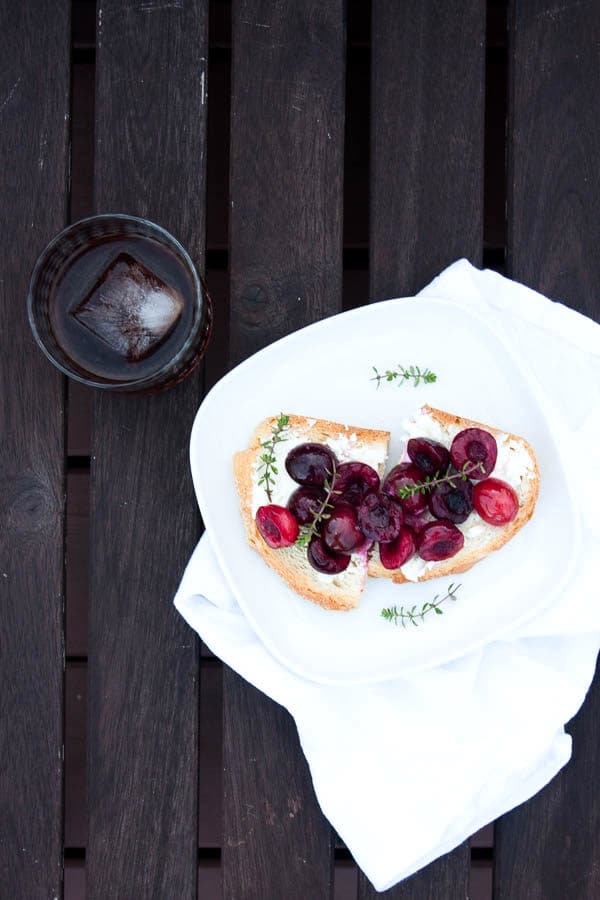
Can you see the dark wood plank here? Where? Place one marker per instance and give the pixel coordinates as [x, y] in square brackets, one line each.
[276, 841]
[77, 562]
[553, 188]
[80, 402]
[549, 848]
[215, 364]
[210, 788]
[84, 16]
[75, 794]
[34, 110]
[74, 880]
[427, 140]
[426, 200]
[210, 880]
[286, 168]
[286, 267]
[446, 877]
[484, 837]
[143, 659]
[82, 140]
[345, 880]
[481, 882]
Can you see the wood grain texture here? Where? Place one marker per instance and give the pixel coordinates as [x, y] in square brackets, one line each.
[427, 140]
[34, 110]
[426, 201]
[554, 142]
[549, 848]
[276, 841]
[287, 137]
[143, 659]
[286, 264]
[447, 877]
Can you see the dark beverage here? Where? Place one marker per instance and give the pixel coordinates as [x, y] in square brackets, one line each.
[116, 302]
[123, 308]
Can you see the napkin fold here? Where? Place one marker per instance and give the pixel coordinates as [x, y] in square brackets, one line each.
[406, 770]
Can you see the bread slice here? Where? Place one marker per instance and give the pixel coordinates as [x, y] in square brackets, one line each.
[339, 592]
[516, 464]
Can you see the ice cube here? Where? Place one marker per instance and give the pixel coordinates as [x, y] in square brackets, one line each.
[130, 308]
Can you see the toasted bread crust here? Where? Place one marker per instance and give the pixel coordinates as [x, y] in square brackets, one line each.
[467, 557]
[285, 561]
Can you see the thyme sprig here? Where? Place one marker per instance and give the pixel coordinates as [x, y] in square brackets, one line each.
[308, 532]
[267, 458]
[421, 487]
[402, 374]
[404, 615]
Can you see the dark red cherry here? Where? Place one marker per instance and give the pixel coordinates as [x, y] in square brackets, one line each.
[277, 526]
[310, 464]
[474, 451]
[380, 518]
[396, 553]
[304, 503]
[430, 456]
[325, 560]
[440, 540]
[403, 475]
[495, 501]
[417, 523]
[454, 503]
[340, 531]
[354, 480]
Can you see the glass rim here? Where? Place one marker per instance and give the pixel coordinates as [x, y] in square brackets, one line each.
[201, 300]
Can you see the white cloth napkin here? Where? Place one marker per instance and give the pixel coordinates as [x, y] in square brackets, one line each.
[407, 769]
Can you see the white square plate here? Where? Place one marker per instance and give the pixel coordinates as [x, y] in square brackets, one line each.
[324, 371]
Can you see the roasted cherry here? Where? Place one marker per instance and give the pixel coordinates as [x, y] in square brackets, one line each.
[380, 518]
[495, 501]
[304, 503]
[277, 525]
[417, 523]
[474, 451]
[354, 480]
[454, 503]
[340, 531]
[439, 540]
[395, 553]
[430, 456]
[403, 475]
[325, 560]
[310, 464]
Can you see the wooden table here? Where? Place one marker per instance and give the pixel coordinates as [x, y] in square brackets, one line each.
[311, 156]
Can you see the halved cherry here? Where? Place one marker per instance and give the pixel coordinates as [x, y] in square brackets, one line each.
[430, 456]
[417, 523]
[277, 526]
[475, 452]
[495, 501]
[325, 560]
[405, 475]
[440, 540]
[395, 553]
[354, 480]
[380, 518]
[452, 501]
